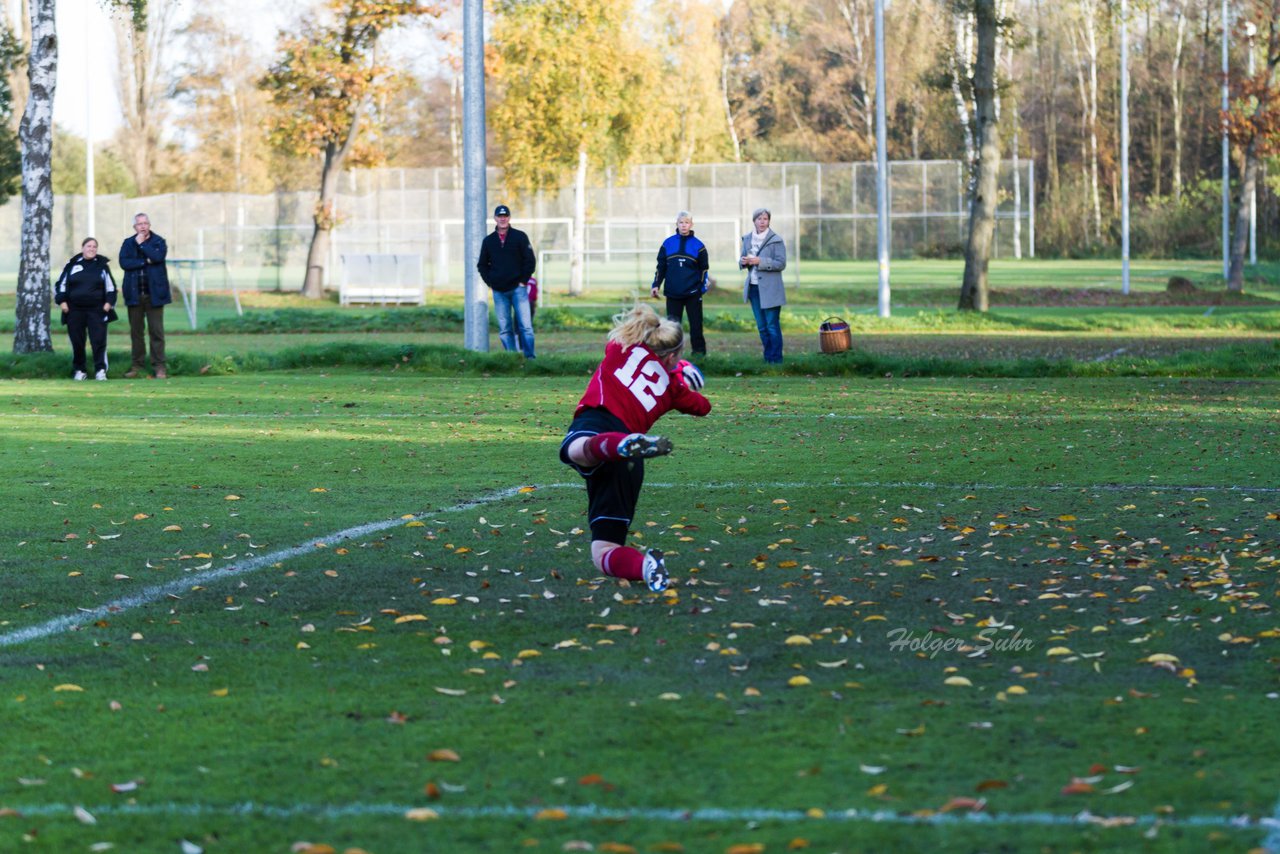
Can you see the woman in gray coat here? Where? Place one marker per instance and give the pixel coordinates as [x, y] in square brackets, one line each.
[764, 257]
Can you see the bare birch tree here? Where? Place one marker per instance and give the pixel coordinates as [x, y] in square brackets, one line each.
[31, 331]
[1180, 28]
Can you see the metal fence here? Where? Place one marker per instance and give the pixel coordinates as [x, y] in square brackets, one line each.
[825, 211]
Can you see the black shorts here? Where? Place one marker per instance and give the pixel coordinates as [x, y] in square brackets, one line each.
[613, 488]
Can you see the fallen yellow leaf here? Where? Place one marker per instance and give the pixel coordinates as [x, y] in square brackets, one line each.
[443, 754]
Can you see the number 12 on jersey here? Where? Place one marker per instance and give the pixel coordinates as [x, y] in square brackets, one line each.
[644, 377]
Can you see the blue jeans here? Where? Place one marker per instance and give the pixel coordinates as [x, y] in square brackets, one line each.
[514, 304]
[769, 325]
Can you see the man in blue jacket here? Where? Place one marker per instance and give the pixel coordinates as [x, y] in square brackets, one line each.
[682, 263]
[146, 293]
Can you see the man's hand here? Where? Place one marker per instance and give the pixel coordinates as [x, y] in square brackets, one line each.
[64, 306]
[653, 292]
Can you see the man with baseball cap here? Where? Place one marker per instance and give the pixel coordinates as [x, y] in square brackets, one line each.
[506, 264]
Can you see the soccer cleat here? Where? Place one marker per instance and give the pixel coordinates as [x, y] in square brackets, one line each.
[642, 445]
[79, 375]
[100, 375]
[655, 571]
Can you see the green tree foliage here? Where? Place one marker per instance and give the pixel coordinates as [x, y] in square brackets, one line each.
[110, 173]
[573, 76]
[324, 86]
[12, 60]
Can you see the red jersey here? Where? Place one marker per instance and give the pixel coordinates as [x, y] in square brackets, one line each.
[632, 384]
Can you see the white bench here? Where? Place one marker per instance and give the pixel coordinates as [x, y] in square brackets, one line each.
[383, 279]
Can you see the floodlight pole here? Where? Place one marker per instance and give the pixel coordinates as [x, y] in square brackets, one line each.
[89, 182]
[474, 192]
[1124, 145]
[1226, 152]
[882, 169]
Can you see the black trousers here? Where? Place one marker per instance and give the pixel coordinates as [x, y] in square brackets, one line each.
[93, 321]
[676, 307]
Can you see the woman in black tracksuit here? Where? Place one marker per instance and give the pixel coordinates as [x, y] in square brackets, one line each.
[86, 293]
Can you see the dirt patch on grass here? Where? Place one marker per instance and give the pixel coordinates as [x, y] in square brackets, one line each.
[1084, 297]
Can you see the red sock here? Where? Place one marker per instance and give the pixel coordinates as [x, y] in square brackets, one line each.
[623, 562]
[604, 446]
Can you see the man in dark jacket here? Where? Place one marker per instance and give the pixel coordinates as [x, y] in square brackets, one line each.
[683, 264]
[146, 293]
[506, 263]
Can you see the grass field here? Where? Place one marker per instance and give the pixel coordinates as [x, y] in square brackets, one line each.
[358, 610]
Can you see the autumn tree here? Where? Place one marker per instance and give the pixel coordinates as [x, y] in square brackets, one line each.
[226, 109]
[1254, 126]
[324, 88]
[692, 126]
[144, 40]
[578, 87]
[986, 130]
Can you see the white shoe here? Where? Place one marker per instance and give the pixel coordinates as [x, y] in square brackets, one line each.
[655, 571]
[101, 376]
[78, 376]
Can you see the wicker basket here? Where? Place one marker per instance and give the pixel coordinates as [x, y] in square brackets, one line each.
[834, 335]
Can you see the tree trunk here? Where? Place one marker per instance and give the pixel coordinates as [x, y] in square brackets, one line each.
[324, 217]
[959, 60]
[1240, 239]
[1177, 105]
[579, 225]
[142, 75]
[326, 211]
[1157, 133]
[982, 212]
[1091, 44]
[728, 107]
[31, 331]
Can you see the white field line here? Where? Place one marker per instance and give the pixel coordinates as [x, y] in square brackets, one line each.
[1272, 842]
[184, 584]
[929, 485]
[592, 812]
[454, 417]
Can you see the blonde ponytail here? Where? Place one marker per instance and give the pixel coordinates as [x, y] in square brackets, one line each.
[642, 325]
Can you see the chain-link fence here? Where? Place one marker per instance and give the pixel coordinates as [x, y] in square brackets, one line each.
[824, 211]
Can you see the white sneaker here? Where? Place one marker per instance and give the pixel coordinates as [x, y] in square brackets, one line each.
[78, 376]
[655, 571]
[641, 445]
[100, 376]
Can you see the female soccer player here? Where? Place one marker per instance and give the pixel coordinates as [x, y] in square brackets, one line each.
[640, 379]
